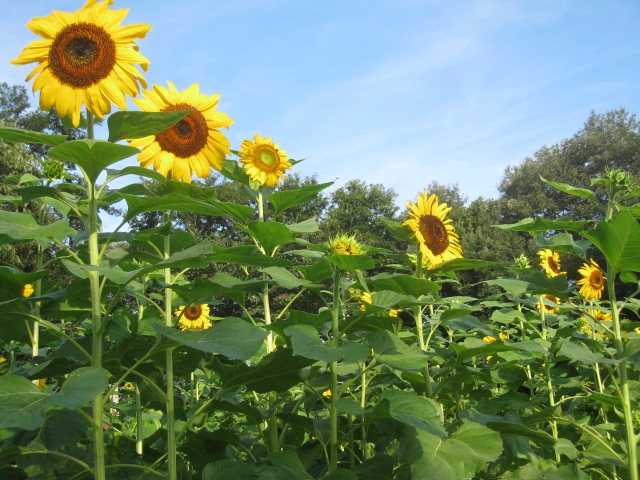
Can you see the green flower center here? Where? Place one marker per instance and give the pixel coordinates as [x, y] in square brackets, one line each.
[267, 157]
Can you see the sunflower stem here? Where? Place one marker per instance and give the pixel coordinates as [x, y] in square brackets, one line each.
[335, 342]
[96, 314]
[170, 400]
[38, 290]
[139, 425]
[274, 438]
[552, 401]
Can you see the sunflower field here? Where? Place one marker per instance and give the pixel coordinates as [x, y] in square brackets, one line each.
[120, 369]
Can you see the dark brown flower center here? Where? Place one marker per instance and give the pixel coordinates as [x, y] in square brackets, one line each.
[187, 137]
[81, 55]
[553, 265]
[193, 312]
[434, 232]
[597, 280]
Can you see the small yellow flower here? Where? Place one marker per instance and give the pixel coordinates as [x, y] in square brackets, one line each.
[327, 393]
[195, 317]
[27, 290]
[345, 245]
[592, 281]
[503, 335]
[263, 160]
[2, 359]
[489, 339]
[550, 262]
[42, 383]
[128, 386]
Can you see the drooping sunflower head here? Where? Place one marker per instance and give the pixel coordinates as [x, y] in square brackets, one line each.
[592, 281]
[194, 317]
[194, 144]
[263, 160]
[434, 232]
[543, 307]
[550, 262]
[27, 290]
[85, 57]
[345, 245]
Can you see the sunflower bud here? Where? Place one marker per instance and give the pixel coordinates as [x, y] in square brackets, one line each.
[53, 169]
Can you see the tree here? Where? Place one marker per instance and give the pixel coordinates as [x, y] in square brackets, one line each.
[358, 208]
[610, 140]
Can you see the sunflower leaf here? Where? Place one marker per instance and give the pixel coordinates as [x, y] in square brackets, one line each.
[459, 264]
[127, 125]
[540, 224]
[618, 239]
[399, 230]
[578, 192]
[564, 242]
[232, 337]
[290, 198]
[92, 156]
[18, 135]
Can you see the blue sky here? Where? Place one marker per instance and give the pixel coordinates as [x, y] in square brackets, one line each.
[395, 92]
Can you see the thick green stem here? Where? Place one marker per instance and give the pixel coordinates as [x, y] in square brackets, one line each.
[552, 401]
[38, 290]
[624, 394]
[139, 433]
[335, 342]
[274, 438]
[96, 310]
[170, 400]
[363, 404]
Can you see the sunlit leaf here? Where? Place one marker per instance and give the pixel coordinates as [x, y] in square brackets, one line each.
[92, 156]
[18, 135]
[578, 192]
[232, 337]
[290, 198]
[540, 224]
[128, 125]
[564, 242]
[270, 234]
[618, 239]
[405, 284]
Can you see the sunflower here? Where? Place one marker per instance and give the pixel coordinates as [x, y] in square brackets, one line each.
[366, 299]
[434, 233]
[85, 57]
[585, 324]
[543, 307]
[345, 245]
[550, 262]
[194, 144]
[592, 281]
[263, 161]
[195, 317]
[27, 290]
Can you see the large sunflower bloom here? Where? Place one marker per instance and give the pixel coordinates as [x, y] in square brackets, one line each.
[85, 57]
[550, 261]
[194, 144]
[592, 281]
[435, 234]
[263, 161]
[195, 317]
